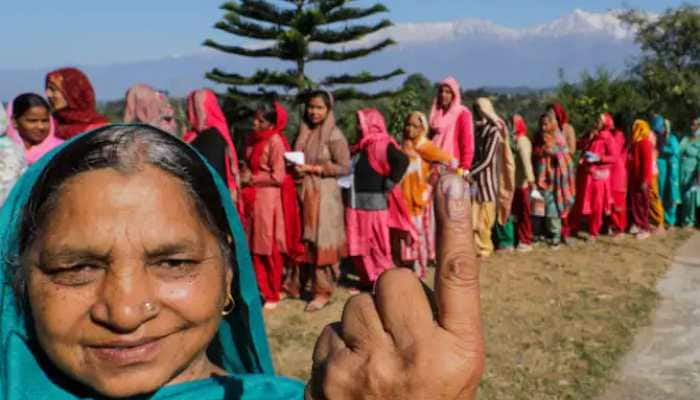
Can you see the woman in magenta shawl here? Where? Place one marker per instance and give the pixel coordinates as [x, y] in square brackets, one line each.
[374, 204]
[452, 125]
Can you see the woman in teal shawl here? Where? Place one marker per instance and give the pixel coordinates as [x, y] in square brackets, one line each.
[239, 346]
[123, 238]
[669, 168]
[690, 168]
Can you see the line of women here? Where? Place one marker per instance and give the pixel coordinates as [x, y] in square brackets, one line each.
[308, 205]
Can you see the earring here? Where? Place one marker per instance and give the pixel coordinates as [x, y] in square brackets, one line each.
[229, 306]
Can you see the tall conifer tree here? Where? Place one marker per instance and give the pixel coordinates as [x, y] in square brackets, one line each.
[300, 32]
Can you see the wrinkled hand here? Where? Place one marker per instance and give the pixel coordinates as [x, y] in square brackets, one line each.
[390, 346]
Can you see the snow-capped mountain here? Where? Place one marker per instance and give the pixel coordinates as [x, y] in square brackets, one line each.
[477, 52]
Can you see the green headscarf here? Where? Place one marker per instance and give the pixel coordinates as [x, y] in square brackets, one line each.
[240, 346]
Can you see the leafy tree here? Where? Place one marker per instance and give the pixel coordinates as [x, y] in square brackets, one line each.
[669, 67]
[603, 92]
[300, 32]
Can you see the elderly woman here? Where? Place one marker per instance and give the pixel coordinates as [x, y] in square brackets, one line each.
[690, 172]
[417, 190]
[73, 102]
[125, 272]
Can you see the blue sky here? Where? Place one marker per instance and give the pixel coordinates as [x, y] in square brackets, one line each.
[99, 32]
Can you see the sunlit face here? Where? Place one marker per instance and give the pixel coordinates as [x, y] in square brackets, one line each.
[600, 124]
[546, 124]
[126, 284]
[55, 96]
[445, 96]
[260, 123]
[413, 127]
[695, 126]
[316, 110]
[33, 125]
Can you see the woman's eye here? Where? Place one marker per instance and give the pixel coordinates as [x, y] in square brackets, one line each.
[176, 263]
[76, 275]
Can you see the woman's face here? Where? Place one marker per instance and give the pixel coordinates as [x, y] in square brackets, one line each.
[413, 127]
[56, 98]
[546, 125]
[445, 96]
[126, 284]
[260, 123]
[33, 125]
[316, 110]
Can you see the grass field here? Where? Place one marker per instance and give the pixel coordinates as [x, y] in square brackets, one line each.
[556, 322]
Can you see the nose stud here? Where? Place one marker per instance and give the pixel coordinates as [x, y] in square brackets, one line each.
[150, 307]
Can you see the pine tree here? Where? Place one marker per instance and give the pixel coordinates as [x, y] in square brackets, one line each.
[300, 32]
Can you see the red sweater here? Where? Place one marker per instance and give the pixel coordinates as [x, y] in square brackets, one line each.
[640, 167]
[464, 132]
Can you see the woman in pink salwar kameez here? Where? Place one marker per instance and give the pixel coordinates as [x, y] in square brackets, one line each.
[618, 184]
[374, 204]
[452, 124]
[594, 199]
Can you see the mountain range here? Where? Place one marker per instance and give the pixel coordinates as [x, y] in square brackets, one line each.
[479, 53]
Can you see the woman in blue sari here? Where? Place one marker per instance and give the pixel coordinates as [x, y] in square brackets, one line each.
[125, 273]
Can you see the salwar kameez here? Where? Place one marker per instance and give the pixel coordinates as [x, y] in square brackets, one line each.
[524, 180]
[641, 175]
[618, 185]
[669, 169]
[690, 185]
[418, 194]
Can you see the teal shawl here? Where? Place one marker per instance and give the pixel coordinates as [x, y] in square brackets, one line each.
[240, 346]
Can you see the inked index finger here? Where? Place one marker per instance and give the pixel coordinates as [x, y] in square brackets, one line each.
[457, 277]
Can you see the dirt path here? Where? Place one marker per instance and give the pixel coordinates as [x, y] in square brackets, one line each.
[664, 362]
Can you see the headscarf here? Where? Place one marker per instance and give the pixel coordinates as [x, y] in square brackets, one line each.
[375, 141]
[292, 218]
[608, 122]
[313, 149]
[519, 126]
[659, 126]
[241, 343]
[640, 131]
[204, 112]
[560, 112]
[505, 161]
[443, 122]
[147, 106]
[413, 143]
[34, 153]
[80, 114]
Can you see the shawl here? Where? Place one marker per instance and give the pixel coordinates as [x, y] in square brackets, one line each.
[241, 341]
[204, 112]
[444, 122]
[34, 153]
[560, 112]
[292, 217]
[147, 106]
[375, 141]
[81, 112]
[312, 142]
[519, 126]
[640, 131]
[505, 162]
[554, 169]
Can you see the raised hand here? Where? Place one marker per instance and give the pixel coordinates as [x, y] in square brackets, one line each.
[391, 346]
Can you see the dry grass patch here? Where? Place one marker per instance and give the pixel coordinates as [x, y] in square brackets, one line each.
[556, 322]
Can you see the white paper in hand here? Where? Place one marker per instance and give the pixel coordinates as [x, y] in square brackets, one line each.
[536, 195]
[295, 157]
